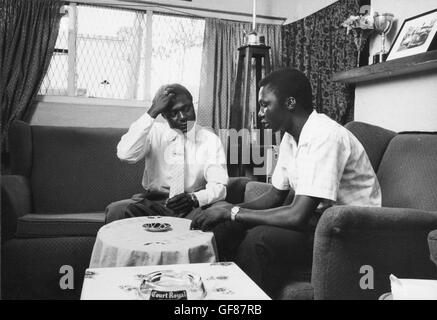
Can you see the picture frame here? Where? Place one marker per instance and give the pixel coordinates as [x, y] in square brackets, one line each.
[416, 35]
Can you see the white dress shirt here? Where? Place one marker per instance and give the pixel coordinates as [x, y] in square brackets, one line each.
[205, 161]
[328, 163]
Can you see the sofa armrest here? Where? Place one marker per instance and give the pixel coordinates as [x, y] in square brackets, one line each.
[235, 189]
[16, 202]
[432, 242]
[254, 189]
[389, 240]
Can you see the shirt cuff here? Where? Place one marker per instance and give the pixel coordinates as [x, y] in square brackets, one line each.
[206, 197]
[317, 193]
[280, 184]
[202, 197]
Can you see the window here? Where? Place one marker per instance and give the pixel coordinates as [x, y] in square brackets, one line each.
[123, 54]
[177, 52]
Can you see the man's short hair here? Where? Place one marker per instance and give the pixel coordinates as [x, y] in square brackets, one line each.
[290, 83]
[179, 89]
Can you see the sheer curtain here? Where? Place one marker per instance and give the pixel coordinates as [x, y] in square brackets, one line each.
[318, 46]
[28, 32]
[219, 63]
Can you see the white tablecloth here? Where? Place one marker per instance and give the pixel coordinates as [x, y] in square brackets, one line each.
[222, 281]
[125, 243]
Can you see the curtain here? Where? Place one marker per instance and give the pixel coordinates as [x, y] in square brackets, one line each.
[318, 46]
[219, 64]
[28, 32]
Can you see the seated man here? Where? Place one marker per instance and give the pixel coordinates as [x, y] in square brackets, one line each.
[319, 159]
[185, 164]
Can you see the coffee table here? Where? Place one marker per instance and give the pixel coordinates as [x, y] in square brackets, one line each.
[125, 243]
[222, 281]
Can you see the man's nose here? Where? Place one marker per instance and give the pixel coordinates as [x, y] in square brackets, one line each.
[261, 112]
[182, 116]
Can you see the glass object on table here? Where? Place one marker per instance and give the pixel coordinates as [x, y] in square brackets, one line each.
[171, 285]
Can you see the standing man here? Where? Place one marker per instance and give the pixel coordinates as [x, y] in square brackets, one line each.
[185, 164]
[320, 160]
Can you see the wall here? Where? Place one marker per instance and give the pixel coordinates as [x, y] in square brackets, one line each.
[408, 102]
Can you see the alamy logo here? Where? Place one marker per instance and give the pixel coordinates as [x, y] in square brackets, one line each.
[67, 280]
[367, 280]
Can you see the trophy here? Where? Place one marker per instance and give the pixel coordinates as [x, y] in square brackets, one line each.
[383, 23]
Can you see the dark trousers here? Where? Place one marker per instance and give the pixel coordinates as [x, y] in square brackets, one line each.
[150, 203]
[266, 254]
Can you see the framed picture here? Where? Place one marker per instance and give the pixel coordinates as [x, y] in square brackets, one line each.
[416, 35]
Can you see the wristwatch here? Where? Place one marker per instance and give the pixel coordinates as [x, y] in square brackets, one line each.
[234, 212]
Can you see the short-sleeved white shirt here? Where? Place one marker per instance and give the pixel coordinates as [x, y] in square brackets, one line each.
[328, 163]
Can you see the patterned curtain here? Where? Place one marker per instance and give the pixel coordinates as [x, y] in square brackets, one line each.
[219, 65]
[28, 32]
[318, 46]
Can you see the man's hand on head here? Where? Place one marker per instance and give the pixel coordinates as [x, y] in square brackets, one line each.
[182, 204]
[161, 101]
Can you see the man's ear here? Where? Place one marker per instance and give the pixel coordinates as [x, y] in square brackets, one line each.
[290, 103]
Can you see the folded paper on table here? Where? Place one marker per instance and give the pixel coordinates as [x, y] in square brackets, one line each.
[413, 289]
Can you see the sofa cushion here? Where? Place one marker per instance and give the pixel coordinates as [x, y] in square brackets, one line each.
[59, 225]
[254, 189]
[432, 241]
[408, 172]
[77, 170]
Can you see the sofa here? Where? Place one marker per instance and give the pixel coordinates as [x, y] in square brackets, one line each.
[62, 179]
[53, 204]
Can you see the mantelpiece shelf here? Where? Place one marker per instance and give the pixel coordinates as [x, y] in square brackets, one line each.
[408, 65]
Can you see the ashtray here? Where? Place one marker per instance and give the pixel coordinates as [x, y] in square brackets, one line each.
[157, 227]
[172, 285]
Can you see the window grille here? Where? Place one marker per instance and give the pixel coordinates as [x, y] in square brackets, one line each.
[123, 54]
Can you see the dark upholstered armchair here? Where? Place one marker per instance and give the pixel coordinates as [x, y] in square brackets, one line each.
[391, 239]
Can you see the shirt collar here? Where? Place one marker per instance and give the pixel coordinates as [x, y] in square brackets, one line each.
[305, 134]
[172, 134]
